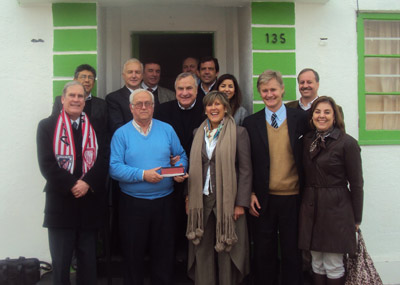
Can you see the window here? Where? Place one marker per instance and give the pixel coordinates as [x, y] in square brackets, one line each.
[379, 78]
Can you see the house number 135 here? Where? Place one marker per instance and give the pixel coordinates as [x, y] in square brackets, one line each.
[274, 38]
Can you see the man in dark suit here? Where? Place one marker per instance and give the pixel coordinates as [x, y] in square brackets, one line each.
[95, 108]
[151, 78]
[118, 101]
[208, 72]
[276, 134]
[308, 81]
[73, 160]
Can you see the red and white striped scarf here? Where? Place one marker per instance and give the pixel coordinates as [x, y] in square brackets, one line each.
[64, 146]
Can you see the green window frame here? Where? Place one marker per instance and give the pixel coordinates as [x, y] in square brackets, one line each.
[372, 137]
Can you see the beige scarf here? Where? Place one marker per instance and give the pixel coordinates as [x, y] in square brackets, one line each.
[226, 187]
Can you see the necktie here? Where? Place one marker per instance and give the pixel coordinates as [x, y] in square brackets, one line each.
[75, 125]
[273, 121]
[149, 89]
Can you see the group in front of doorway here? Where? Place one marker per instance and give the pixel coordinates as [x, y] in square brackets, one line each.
[259, 195]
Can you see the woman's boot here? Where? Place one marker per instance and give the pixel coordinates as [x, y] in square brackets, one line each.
[319, 279]
[338, 281]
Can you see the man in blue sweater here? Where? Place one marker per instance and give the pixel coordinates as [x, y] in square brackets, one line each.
[146, 214]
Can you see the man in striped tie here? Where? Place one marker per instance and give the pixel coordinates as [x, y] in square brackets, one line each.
[72, 159]
[276, 150]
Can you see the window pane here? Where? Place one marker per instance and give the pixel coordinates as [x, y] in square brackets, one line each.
[387, 66]
[383, 46]
[382, 84]
[381, 29]
[383, 112]
[382, 37]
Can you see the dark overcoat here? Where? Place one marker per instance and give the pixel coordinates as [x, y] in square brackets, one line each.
[62, 209]
[333, 196]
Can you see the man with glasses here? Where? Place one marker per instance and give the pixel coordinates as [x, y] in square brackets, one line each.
[146, 208]
[95, 108]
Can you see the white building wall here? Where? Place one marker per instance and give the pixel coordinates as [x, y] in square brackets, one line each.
[26, 97]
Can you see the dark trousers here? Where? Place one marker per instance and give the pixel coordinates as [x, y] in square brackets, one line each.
[278, 221]
[147, 224]
[62, 244]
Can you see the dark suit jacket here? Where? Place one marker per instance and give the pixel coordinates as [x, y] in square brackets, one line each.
[97, 114]
[256, 127]
[165, 95]
[296, 105]
[62, 209]
[119, 112]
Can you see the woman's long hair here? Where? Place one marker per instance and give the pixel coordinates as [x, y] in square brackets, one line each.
[338, 121]
[236, 101]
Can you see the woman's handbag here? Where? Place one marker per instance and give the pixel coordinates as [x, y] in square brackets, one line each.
[360, 268]
[22, 271]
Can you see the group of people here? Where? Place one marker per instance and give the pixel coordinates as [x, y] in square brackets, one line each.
[291, 167]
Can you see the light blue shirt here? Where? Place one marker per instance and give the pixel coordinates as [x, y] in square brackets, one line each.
[280, 115]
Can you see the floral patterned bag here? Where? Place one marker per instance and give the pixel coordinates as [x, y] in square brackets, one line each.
[360, 268]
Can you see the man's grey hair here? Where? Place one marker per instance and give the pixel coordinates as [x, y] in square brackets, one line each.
[137, 91]
[184, 75]
[69, 84]
[133, 60]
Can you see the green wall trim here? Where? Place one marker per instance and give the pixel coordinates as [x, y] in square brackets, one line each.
[274, 38]
[75, 40]
[283, 62]
[290, 89]
[272, 13]
[58, 86]
[74, 14]
[65, 65]
[257, 107]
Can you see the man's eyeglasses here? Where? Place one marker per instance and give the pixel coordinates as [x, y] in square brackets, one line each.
[139, 105]
[83, 77]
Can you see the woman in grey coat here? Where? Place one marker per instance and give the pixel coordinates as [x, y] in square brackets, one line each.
[228, 84]
[332, 203]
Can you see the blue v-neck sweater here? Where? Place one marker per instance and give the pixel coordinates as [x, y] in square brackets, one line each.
[132, 153]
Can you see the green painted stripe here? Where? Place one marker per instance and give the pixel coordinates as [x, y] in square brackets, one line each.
[65, 65]
[283, 62]
[271, 13]
[383, 55]
[74, 14]
[257, 107]
[379, 137]
[58, 86]
[75, 40]
[290, 89]
[382, 93]
[274, 38]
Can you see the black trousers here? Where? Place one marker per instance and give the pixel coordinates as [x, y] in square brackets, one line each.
[62, 244]
[147, 224]
[277, 227]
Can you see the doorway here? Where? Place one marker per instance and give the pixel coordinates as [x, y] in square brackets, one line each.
[170, 49]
